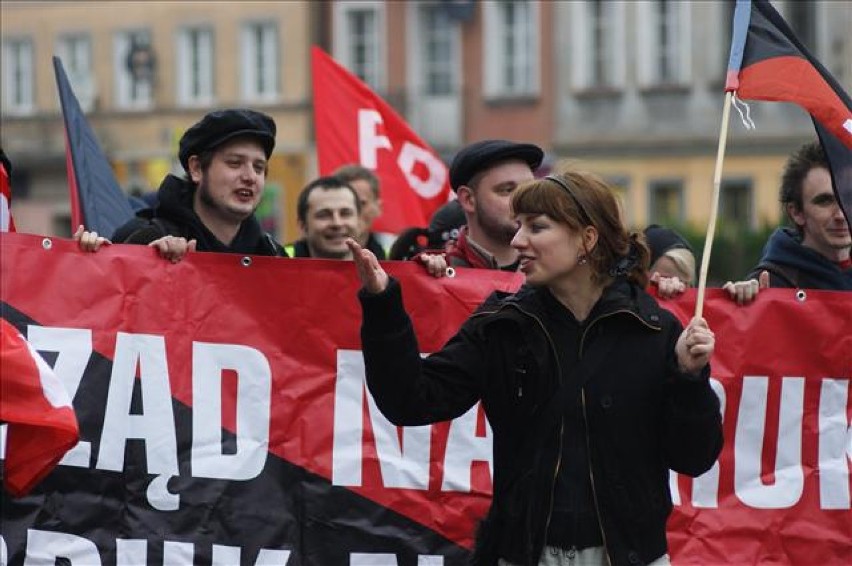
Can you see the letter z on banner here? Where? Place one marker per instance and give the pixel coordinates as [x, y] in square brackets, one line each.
[354, 125]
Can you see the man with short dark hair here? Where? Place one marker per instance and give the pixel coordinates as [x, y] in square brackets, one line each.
[366, 185]
[815, 254]
[328, 212]
[483, 175]
[225, 157]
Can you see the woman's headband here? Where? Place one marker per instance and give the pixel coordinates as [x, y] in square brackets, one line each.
[570, 192]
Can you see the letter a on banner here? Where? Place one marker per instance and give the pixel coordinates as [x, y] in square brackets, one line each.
[354, 125]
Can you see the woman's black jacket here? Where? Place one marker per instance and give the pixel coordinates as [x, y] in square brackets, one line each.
[643, 416]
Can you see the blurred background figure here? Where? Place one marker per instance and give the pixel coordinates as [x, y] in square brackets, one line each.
[366, 185]
[443, 227]
[671, 254]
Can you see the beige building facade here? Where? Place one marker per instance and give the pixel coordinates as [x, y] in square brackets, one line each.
[197, 56]
[640, 96]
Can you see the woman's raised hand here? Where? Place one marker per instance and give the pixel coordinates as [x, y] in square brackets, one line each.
[373, 277]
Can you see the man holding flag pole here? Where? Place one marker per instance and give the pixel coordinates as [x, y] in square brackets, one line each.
[768, 62]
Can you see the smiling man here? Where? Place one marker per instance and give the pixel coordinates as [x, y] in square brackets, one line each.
[328, 213]
[815, 253]
[225, 157]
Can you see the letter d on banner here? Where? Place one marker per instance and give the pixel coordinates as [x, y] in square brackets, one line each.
[254, 384]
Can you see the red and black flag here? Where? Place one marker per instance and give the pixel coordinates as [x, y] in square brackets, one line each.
[97, 200]
[7, 224]
[768, 62]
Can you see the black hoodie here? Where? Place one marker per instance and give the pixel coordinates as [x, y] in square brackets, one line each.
[790, 264]
[175, 216]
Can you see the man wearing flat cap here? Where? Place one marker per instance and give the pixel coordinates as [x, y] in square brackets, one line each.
[225, 157]
[483, 175]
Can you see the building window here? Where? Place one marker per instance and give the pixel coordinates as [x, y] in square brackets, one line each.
[726, 22]
[133, 70]
[195, 66]
[438, 41]
[664, 42]
[75, 51]
[802, 17]
[597, 44]
[18, 76]
[621, 189]
[358, 40]
[666, 202]
[511, 51]
[736, 202]
[260, 62]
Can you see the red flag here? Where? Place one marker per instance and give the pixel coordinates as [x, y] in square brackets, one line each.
[7, 224]
[42, 424]
[354, 125]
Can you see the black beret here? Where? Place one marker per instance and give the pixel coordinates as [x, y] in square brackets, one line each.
[660, 240]
[219, 126]
[481, 155]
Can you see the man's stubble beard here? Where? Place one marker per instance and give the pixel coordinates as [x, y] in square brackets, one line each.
[209, 202]
[494, 229]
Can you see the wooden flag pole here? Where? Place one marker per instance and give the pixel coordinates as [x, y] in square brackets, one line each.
[714, 206]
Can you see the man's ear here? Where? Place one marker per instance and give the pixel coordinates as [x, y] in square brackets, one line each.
[795, 214]
[194, 164]
[302, 228]
[379, 205]
[466, 199]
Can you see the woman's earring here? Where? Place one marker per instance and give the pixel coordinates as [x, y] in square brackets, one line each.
[582, 259]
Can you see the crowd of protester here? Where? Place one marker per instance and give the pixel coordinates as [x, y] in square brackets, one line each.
[583, 439]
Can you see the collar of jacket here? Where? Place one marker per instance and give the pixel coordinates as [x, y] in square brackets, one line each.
[469, 252]
[621, 296]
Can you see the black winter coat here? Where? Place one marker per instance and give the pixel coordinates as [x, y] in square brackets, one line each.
[175, 216]
[643, 416]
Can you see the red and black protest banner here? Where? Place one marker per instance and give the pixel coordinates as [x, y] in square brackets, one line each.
[224, 419]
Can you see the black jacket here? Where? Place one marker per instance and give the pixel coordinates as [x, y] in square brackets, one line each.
[792, 265]
[299, 248]
[175, 216]
[643, 416]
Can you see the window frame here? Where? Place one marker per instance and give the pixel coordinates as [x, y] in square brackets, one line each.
[343, 48]
[747, 183]
[69, 46]
[250, 50]
[654, 187]
[648, 48]
[206, 55]
[18, 76]
[124, 82]
[583, 48]
[495, 85]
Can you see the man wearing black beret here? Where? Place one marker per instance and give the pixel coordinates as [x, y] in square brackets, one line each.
[225, 157]
[483, 175]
